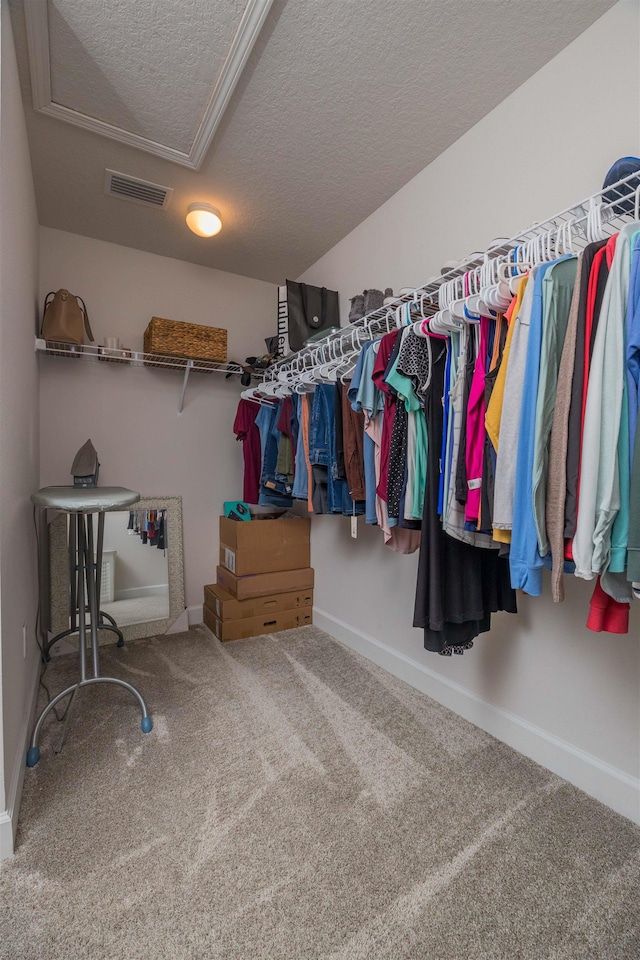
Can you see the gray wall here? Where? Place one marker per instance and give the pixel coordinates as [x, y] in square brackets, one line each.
[130, 413]
[19, 430]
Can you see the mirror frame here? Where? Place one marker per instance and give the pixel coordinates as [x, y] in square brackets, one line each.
[59, 574]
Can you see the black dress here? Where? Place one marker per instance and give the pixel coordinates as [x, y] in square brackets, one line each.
[459, 586]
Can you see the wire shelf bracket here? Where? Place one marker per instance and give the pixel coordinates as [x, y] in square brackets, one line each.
[185, 383]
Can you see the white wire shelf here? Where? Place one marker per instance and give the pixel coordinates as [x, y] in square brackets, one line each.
[135, 358]
[612, 207]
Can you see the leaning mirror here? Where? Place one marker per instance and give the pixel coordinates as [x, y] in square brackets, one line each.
[142, 581]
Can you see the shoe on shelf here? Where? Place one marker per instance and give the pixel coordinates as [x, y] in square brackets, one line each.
[373, 300]
[357, 308]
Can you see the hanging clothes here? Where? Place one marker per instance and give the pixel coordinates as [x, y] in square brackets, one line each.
[461, 369]
[556, 493]
[489, 454]
[553, 288]
[410, 379]
[275, 488]
[247, 432]
[576, 408]
[633, 340]
[365, 397]
[633, 546]
[288, 427]
[330, 491]
[497, 443]
[505, 476]
[599, 495]
[353, 444]
[150, 526]
[386, 354]
[459, 586]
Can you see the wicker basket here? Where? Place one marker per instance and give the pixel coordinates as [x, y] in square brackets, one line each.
[189, 341]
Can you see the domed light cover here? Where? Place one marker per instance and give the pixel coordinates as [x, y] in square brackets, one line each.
[204, 220]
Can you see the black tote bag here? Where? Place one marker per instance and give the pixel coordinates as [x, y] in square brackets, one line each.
[311, 310]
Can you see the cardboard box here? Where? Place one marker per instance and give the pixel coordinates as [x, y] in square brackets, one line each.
[264, 584]
[226, 607]
[264, 546]
[226, 630]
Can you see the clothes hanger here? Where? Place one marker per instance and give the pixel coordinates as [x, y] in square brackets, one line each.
[457, 305]
[521, 268]
[307, 372]
[595, 225]
[570, 225]
[270, 388]
[471, 312]
[351, 361]
[443, 321]
[446, 295]
[329, 370]
[491, 300]
[251, 397]
[389, 317]
[564, 240]
[514, 281]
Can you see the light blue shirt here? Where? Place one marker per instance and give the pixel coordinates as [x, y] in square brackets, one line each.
[369, 398]
[525, 562]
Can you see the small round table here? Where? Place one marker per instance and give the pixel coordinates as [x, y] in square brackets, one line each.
[81, 503]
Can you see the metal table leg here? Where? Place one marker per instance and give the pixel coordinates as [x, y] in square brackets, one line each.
[101, 614]
[112, 626]
[89, 571]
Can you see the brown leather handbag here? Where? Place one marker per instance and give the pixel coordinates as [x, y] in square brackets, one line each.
[65, 318]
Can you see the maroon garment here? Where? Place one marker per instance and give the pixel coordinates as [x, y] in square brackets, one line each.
[385, 350]
[245, 429]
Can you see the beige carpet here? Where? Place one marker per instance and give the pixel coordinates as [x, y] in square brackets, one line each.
[294, 801]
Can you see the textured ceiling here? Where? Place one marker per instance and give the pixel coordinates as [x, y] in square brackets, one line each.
[141, 65]
[340, 104]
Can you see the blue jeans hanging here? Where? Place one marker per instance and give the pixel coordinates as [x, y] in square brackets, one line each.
[274, 487]
[322, 449]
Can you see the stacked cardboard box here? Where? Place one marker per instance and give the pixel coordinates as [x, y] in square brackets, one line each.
[264, 581]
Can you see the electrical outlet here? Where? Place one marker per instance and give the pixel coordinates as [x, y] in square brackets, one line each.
[24, 641]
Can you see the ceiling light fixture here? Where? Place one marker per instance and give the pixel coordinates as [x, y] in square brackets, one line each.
[204, 220]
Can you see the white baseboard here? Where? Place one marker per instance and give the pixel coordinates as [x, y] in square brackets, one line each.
[195, 614]
[9, 817]
[613, 787]
[131, 593]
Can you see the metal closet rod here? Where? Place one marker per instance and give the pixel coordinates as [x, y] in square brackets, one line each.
[611, 207]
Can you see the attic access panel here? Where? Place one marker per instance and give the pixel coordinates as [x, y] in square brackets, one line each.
[142, 73]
